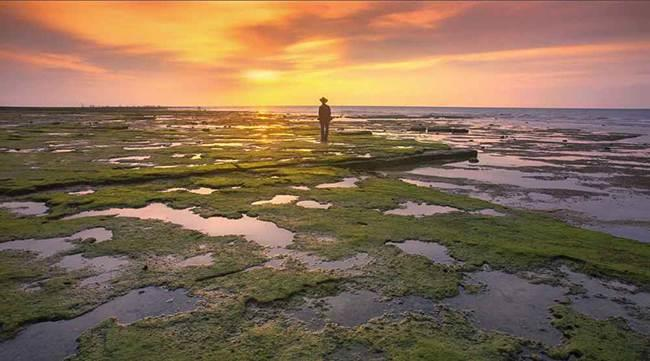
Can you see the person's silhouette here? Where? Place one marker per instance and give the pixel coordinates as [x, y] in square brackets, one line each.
[324, 117]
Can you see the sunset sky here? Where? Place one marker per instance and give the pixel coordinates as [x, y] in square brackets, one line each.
[537, 54]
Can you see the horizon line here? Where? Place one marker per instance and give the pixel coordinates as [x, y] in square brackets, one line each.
[316, 105]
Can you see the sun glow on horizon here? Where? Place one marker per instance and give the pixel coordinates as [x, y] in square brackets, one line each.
[257, 75]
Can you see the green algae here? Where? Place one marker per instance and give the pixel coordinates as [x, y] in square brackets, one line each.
[399, 274]
[447, 337]
[589, 339]
[219, 333]
[265, 285]
[53, 297]
[268, 164]
[227, 332]
[142, 242]
[522, 240]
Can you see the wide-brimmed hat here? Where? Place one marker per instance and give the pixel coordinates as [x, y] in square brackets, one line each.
[323, 99]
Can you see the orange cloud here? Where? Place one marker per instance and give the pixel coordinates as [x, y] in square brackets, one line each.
[251, 53]
[196, 32]
[53, 61]
[426, 17]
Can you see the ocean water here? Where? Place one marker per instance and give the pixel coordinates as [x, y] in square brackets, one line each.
[563, 161]
[617, 120]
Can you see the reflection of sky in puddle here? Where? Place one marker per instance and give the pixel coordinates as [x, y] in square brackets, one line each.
[51, 246]
[56, 340]
[262, 232]
[347, 182]
[420, 209]
[278, 199]
[131, 161]
[539, 146]
[605, 299]
[489, 212]
[506, 176]
[25, 208]
[196, 261]
[431, 250]
[350, 309]
[102, 263]
[82, 193]
[490, 159]
[512, 305]
[300, 188]
[440, 185]
[200, 190]
[516, 306]
[640, 233]
[314, 205]
[107, 266]
[280, 255]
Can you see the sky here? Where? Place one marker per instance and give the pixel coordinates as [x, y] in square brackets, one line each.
[497, 54]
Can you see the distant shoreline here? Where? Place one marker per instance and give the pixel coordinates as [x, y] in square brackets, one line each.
[244, 107]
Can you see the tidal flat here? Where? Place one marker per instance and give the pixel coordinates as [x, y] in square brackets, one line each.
[236, 235]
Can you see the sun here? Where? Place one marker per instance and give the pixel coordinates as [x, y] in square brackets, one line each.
[260, 75]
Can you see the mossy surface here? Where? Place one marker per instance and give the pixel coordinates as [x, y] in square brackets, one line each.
[447, 337]
[226, 333]
[247, 157]
[589, 339]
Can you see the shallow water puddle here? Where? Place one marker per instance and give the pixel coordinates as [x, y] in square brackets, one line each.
[513, 305]
[420, 209]
[197, 261]
[281, 255]
[51, 246]
[25, 208]
[489, 212]
[223, 144]
[441, 185]
[532, 180]
[131, 161]
[63, 150]
[300, 188]
[431, 250]
[313, 204]
[103, 263]
[265, 233]
[57, 340]
[82, 193]
[347, 182]
[351, 309]
[99, 281]
[639, 233]
[278, 199]
[108, 267]
[119, 160]
[501, 160]
[604, 299]
[200, 190]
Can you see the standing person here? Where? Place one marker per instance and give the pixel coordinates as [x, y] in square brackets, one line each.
[324, 118]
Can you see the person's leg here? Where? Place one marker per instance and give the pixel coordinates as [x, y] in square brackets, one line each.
[322, 131]
[326, 131]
